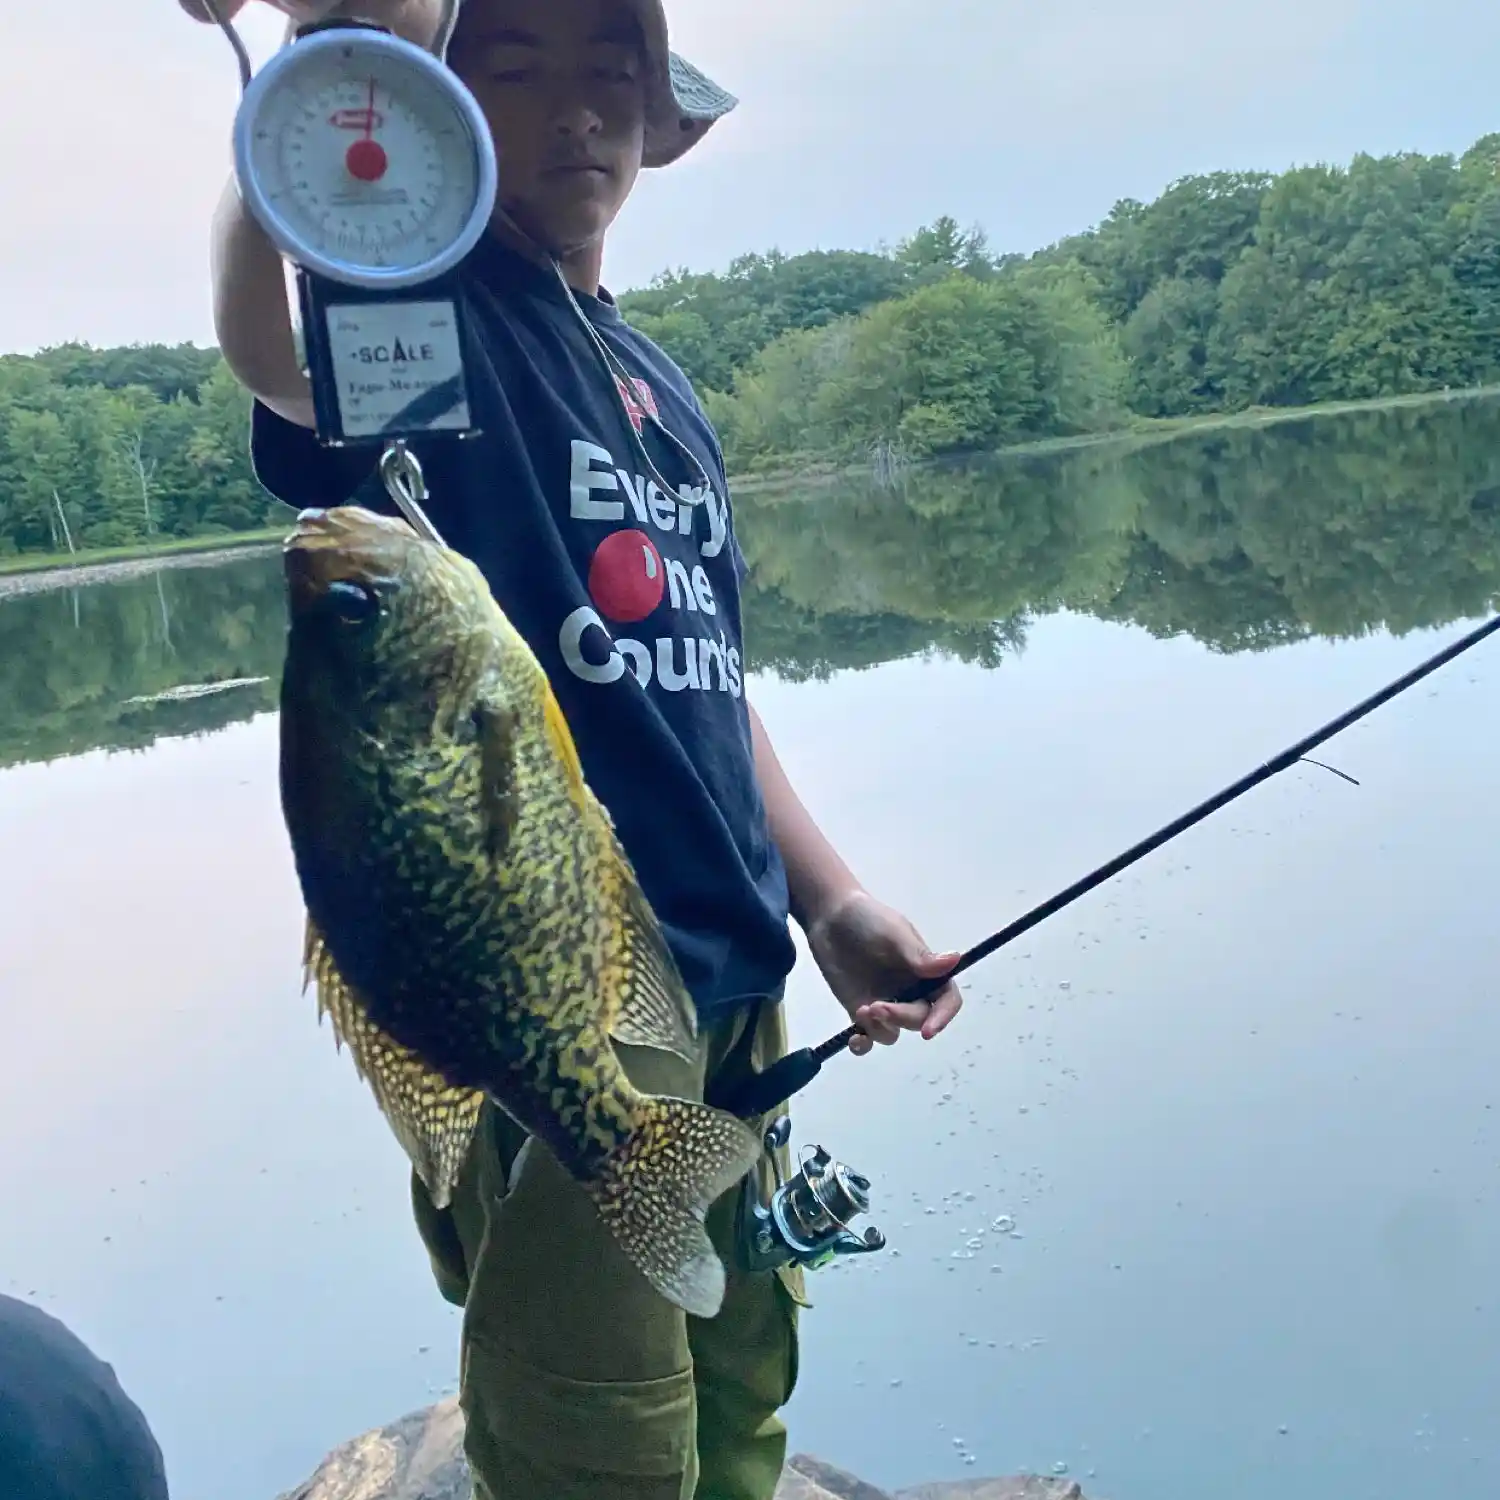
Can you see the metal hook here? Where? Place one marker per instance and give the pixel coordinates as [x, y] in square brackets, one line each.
[402, 476]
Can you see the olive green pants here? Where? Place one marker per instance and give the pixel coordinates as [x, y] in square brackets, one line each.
[578, 1381]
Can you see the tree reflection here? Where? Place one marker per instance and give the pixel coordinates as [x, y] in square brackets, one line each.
[1242, 538]
[71, 660]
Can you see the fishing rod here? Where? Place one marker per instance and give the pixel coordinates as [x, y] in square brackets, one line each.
[762, 1092]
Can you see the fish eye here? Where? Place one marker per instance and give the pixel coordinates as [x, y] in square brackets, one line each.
[350, 602]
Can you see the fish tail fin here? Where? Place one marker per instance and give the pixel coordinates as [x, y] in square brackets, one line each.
[656, 1189]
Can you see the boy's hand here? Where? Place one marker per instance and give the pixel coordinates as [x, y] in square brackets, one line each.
[415, 20]
[868, 952]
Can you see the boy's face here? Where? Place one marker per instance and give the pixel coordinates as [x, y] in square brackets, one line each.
[561, 83]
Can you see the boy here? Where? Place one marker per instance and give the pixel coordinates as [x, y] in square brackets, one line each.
[578, 1383]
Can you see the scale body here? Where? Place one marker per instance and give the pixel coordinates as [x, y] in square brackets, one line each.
[370, 167]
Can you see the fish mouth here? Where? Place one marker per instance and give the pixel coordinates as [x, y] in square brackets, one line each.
[343, 545]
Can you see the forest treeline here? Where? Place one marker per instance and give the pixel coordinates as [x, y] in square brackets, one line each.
[1230, 290]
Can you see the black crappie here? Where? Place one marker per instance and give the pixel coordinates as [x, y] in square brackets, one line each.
[474, 926]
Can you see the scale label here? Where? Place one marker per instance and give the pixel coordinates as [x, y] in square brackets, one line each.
[397, 367]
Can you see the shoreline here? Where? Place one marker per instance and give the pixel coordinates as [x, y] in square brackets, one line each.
[26, 574]
[115, 563]
[1143, 432]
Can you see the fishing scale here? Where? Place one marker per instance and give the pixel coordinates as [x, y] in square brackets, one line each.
[371, 168]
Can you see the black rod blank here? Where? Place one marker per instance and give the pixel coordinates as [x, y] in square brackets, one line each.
[762, 1092]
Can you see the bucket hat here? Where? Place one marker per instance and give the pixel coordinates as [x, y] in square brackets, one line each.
[682, 102]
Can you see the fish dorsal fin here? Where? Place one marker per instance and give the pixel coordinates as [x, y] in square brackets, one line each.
[560, 737]
[433, 1121]
[652, 1007]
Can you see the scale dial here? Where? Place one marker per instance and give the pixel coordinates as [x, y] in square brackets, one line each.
[365, 159]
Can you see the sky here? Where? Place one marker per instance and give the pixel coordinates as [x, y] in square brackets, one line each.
[857, 124]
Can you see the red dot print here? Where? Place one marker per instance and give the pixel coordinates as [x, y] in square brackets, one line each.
[626, 576]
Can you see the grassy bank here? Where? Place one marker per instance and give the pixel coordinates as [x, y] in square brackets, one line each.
[177, 546]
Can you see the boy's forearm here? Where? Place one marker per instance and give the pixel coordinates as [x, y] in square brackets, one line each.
[252, 319]
[817, 878]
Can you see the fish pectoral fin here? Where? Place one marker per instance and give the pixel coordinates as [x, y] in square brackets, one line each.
[497, 745]
[653, 1007]
[433, 1121]
[655, 1190]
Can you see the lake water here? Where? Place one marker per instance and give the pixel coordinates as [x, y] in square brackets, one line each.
[1241, 1103]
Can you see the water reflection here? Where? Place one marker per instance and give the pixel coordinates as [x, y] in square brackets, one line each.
[1241, 539]
[85, 668]
[1203, 1194]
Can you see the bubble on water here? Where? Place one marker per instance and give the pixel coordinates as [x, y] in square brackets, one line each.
[996, 1270]
[970, 1459]
[973, 1343]
[929, 1210]
[1005, 1224]
[1283, 1429]
[975, 1244]
[958, 1442]
[1059, 1468]
[895, 1382]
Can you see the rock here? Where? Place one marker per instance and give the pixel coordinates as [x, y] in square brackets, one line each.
[797, 1486]
[1020, 1487]
[826, 1480]
[420, 1457]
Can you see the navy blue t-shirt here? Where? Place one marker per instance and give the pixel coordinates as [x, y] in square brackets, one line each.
[629, 596]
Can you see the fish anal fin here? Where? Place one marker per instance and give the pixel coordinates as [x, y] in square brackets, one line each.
[652, 1006]
[433, 1121]
[656, 1188]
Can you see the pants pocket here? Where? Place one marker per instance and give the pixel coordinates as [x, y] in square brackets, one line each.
[532, 1434]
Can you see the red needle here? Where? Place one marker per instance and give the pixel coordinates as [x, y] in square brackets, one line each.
[366, 158]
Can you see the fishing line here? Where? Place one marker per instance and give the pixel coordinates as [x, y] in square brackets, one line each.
[762, 1092]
